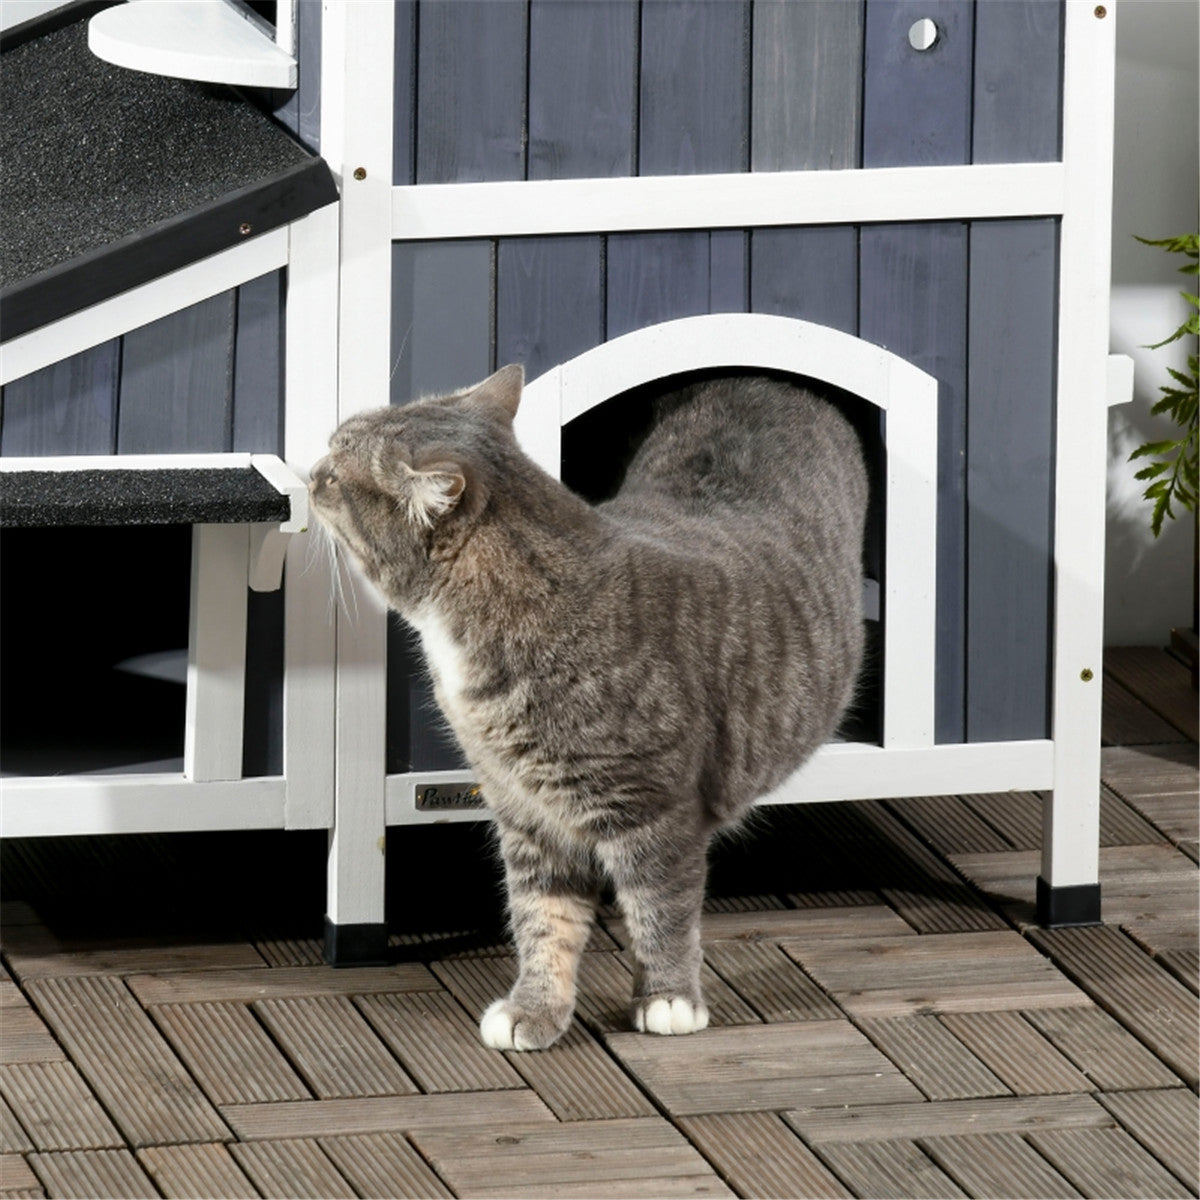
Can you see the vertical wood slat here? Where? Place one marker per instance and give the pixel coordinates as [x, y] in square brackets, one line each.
[177, 381]
[913, 288]
[694, 92]
[582, 88]
[470, 117]
[917, 104]
[806, 85]
[441, 340]
[806, 273]
[1017, 106]
[1010, 478]
[404, 93]
[655, 277]
[258, 366]
[69, 407]
[549, 300]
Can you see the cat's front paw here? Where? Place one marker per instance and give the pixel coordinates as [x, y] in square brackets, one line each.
[669, 1015]
[506, 1026]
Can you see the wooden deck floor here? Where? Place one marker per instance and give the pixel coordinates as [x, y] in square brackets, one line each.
[886, 1019]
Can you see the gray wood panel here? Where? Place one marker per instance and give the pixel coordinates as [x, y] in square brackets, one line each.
[262, 735]
[470, 120]
[441, 316]
[1010, 485]
[441, 340]
[728, 271]
[917, 104]
[69, 407]
[404, 92]
[913, 282]
[549, 300]
[694, 92]
[582, 88]
[177, 381]
[300, 109]
[654, 277]
[807, 273]
[258, 366]
[806, 85]
[1018, 59]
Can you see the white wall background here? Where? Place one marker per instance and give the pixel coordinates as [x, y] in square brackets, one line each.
[1157, 178]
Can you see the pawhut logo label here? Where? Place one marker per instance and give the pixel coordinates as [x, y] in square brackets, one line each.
[442, 797]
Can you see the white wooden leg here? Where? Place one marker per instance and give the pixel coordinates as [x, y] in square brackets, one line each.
[216, 673]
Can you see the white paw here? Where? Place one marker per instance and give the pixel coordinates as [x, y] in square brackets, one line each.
[669, 1015]
[497, 1026]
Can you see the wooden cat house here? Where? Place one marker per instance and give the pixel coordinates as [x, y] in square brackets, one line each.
[906, 202]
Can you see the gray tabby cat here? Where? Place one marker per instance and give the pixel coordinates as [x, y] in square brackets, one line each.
[625, 679]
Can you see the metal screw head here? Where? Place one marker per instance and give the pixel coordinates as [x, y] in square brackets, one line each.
[360, 173]
[923, 34]
[1086, 675]
[1100, 11]
[244, 228]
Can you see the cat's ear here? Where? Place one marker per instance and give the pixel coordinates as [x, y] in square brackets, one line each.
[500, 392]
[432, 491]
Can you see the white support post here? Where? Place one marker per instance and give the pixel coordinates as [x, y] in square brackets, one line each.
[309, 622]
[356, 140]
[216, 670]
[1068, 888]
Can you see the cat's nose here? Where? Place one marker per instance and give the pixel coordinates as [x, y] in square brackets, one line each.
[321, 476]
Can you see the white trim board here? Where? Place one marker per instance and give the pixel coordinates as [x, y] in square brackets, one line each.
[91, 804]
[838, 771]
[140, 305]
[521, 208]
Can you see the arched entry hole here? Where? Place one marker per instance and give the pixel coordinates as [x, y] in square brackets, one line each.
[598, 445]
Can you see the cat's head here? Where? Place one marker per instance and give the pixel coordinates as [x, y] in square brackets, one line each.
[398, 480]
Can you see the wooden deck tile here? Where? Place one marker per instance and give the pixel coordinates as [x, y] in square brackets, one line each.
[859, 921]
[1158, 781]
[1122, 825]
[603, 991]
[1167, 1123]
[940, 1118]
[1184, 965]
[16, 1177]
[292, 1170]
[578, 1081]
[1158, 680]
[758, 1155]
[949, 824]
[196, 1170]
[1103, 1049]
[126, 1062]
[774, 986]
[292, 952]
[1145, 998]
[933, 1058]
[231, 1055]
[1016, 1052]
[735, 904]
[247, 986]
[333, 1047]
[850, 898]
[997, 1166]
[93, 1174]
[1151, 890]
[383, 1166]
[892, 1170]
[754, 1067]
[1108, 1164]
[437, 1042]
[476, 982]
[1126, 721]
[55, 1107]
[33, 957]
[950, 972]
[1016, 815]
[24, 1036]
[644, 1157]
[381, 1114]
[13, 1138]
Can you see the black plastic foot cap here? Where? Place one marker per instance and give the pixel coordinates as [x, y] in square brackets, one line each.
[356, 945]
[1062, 907]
